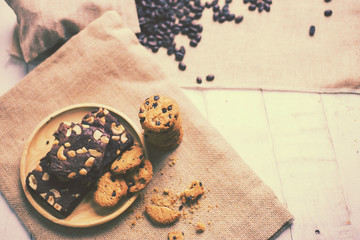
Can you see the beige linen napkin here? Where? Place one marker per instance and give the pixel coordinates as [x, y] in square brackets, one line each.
[105, 64]
[44, 25]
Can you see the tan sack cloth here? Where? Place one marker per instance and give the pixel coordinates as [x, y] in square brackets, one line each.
[44, 25]
[105, 64]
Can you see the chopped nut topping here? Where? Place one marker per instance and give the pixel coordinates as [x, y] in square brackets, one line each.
[51, 200]
[77, 129]
[104, 139]
[68, 133]
[57, 207]
[97, 134]
[71, 175]
[32, 182]
[60, 153]
[81, 150]
[94, 153]
[55, 192]
[83, 171]
[117, 129]
[46, 177]
[71, 153]
[123, 138]
[89, 162]
[90, 120]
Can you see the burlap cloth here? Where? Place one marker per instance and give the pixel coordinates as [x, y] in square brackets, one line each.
[105, 64]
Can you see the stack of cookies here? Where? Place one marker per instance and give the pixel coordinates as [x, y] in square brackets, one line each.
[161, 120]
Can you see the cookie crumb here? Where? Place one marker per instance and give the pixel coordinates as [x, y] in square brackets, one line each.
[200, 227]
[172, 161]
[176, 235]
[191, 194]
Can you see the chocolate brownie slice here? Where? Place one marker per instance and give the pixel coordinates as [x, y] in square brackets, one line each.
[78, 152]
[120, 138]
[61, 196]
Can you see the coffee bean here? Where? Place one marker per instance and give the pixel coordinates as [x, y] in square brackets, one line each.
[198, 80]
[179, 56]
[193, 43]
[215, 2]
[182, 49]
[327, 1]
[170, 51]
[230, 16]
[260, 7]
[266, 7]
[222, 19]
[228, 1]
[239, 19]
[252, 7]
[182, 66]
[215, 16]
[210, 77]
[198, 38]
[328, 13]
[312, 30]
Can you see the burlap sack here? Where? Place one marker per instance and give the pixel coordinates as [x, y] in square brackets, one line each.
[104, 63]
[43, 25]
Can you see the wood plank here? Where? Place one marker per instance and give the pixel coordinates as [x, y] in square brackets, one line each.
[10, 225]
[308, 167]
[343, 114]
[243, 113]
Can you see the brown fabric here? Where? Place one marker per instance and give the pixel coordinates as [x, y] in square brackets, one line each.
[44, 25]
[104, 63]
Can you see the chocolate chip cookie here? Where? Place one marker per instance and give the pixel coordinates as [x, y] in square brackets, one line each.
[109, 190]
[129, 160]
[162, 215]
[160, 118]
[140, 177]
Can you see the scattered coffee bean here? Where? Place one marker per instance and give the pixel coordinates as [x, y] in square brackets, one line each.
[210, 77]
[239, 19]
[327, 1]
[312, 30]
[259, 4]
[182, 66]
[252, 7]
[193, 43]
[328, 13]
[198, 80]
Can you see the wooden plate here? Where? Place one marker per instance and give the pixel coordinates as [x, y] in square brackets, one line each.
[87, 213]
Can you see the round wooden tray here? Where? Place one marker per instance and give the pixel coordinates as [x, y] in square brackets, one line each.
[87, 213]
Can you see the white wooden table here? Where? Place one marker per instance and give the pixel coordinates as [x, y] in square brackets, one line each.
[305, 146]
